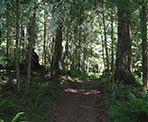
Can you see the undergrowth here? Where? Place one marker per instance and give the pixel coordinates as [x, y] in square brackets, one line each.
[126, 103]
[78, 75]
[35, 107]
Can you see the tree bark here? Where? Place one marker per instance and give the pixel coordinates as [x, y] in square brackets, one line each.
[56, 60]
[0, 38]
[144, 44]
[103, 50]
[31, 41]
[17, 46]
[45, 36]
[84, 53]
[102, 42]
[105, 41]
[79, 49]
[8, 32]
[112, 38]
[66, 53]
[0, 34]
[123, 56]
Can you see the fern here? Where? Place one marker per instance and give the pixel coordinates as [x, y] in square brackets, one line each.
[2, 120]
[17, 116]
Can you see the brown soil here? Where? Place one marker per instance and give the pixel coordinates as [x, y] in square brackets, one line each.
[82, 102]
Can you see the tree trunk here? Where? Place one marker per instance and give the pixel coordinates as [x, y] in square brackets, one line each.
[105, 40]
[84, 53]
[123, 56]
[0, 38]
[56, 60]
[144, 44]
[22, 38]
[45, 36]
[31, 41]
[79, 49]
[103, 50]
[112, 38]
[0, 33]
[66, 53]
[8, 32]
[22, 43]
[17, 46]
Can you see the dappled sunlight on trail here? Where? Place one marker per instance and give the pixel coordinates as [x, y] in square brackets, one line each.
[82, 91]
[82, 102]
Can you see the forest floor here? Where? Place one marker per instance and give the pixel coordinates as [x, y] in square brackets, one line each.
[82, 102]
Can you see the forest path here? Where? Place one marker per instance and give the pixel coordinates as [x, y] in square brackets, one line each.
[82, 102]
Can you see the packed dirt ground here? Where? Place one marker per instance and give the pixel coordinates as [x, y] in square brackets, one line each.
[82, 102]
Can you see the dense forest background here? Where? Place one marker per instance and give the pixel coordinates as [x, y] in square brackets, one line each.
[44, 39]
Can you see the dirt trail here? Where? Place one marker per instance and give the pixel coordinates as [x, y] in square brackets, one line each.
[82, 102]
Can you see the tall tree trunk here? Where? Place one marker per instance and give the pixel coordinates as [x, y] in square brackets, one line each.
[17, 46]
[0, 38]
[56, 60]
[8, 32]
[123, 56]
[144, 44]
[112, 38]
[22, 42]
[66, 53]
[105, 40]
[84, 53]
[45, 36]
[22, 37]
[52, 50]
[79, 49]
[103, 50]
[70, 50]
[31, 41]
[102, 40]
[67, 50]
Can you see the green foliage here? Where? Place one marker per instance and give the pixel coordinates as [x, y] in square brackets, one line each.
[38, 102]
[80, 75]
[8, 107]
[2, 104]
[36, 105]
[3, 62]
[127, 104]
[2, 120]
[138, 80]
[134, 109]
[17, 117]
